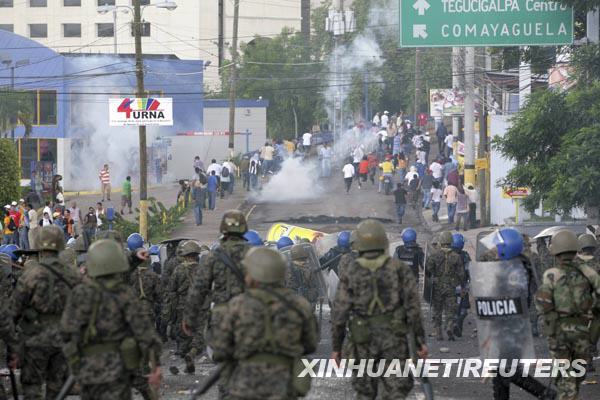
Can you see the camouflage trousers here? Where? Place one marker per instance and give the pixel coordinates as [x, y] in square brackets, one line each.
[379, 348]
[198, 345]
[43, 365]
[570, 346]
[184, 342]
[444, 302]
[117, 390]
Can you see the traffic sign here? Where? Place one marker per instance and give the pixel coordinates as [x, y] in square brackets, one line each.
[441, 23]
[515, 193]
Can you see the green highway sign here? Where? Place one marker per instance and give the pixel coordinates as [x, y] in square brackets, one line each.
[441, 23]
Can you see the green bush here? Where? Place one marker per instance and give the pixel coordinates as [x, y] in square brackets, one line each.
[9, 173]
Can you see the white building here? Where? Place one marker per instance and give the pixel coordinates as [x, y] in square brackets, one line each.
[196, 29]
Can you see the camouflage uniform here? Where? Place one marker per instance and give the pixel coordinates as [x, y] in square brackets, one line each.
[304, 282]
[566, 300]
[378, 297]
[101, 319]
[179, 285]
[345, 261]
[7, 327]
[38, 302]
[546, 259]
[241, 336]
[446, 267]
[215, 279]
[263, 331]
[166, 272]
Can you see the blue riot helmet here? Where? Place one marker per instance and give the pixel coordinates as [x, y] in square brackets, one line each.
[284, 241]
[509, 243]
[343, 240]
[409, 235]
[10, 251]
[458, 241]
[253, 238]
[154, 250]
[135, 241]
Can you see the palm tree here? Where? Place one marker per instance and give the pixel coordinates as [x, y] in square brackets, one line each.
[15, 106]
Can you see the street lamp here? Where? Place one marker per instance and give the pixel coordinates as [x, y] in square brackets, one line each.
[140, 92]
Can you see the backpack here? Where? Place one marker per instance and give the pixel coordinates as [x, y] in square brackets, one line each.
[11, 224]
[425, 146]
[225, 172]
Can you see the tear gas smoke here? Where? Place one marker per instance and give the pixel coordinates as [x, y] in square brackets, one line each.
[297, 180]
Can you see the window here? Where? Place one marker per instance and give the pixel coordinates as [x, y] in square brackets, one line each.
[47, 111]
[6, 3]
[145, 29]
[106, 2]
[72, 30]
[72, 3]
[7, 27]
[142, 2]
[38, 30]
[38, 3]
[105, 30]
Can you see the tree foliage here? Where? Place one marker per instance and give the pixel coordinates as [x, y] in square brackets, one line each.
[15, 106]
[554, 141]
[9, 173]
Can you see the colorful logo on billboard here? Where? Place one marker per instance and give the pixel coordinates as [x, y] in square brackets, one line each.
[135, 111]
[140, 108]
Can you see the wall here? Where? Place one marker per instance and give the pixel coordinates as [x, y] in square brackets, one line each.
[501, 208]
[190, 31]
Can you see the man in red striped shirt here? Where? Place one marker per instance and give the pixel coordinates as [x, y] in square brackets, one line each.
[105, 181]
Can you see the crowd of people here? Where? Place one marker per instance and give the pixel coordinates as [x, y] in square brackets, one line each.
[395, 155]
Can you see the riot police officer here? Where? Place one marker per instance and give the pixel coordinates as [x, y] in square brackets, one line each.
[410, 252]
[303, 275]
[332, 258]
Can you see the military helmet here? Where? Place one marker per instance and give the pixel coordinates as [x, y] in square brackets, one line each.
[284, 241]
[298, 252]
[110, 234]
[445, 238]
[188, 248]
[233, 221]
[204, 248]
[371, 236]
[51, 238]
[265, 265]
[587, 241]
[135, 241]
[106, 257]
[564, 241]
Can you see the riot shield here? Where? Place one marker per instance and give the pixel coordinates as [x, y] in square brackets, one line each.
[313, 262]
[499, 292]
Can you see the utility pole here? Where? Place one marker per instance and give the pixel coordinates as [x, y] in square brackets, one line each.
[456, 83]
[417, 82]
[12, 88]
[482, 148]
[139, 74]
[469, 125]
[233, 81]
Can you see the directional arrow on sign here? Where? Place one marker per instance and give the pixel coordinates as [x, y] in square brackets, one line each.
[420, 31]
[421, 6]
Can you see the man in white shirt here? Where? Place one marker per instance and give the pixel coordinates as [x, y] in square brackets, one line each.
[48, 210]
[349, 173]
[377, 120]
[306, 142]
[385, 119]
[325, 155]
[449, 140]
[230, 179]
[214, 167]
[436, 170]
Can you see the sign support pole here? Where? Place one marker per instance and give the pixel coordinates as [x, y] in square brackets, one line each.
[456, 70]
[469, 125]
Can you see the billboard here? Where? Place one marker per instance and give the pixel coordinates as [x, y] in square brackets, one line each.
[136, 111]
[445, 102]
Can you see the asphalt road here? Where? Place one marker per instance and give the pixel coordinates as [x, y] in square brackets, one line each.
[331, 205]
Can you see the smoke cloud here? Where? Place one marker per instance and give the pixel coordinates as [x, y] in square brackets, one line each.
[297, 180]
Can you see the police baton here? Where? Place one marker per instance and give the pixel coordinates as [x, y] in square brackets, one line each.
[209, 382]
[64, 391]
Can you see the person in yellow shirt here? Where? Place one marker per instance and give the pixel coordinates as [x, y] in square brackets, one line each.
[8, 233]
[387, 169]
